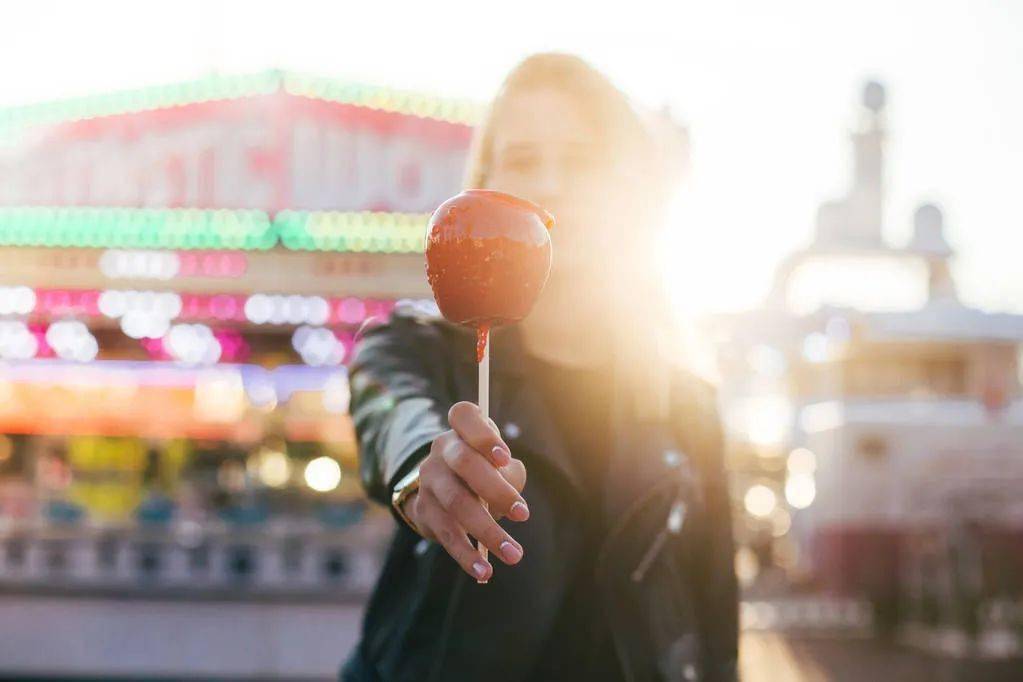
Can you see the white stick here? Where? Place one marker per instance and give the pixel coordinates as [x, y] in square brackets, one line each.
[484, 401]
[484, 392]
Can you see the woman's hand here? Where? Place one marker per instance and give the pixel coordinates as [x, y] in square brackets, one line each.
[465, 464]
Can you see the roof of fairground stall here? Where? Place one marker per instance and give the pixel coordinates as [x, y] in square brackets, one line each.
[88, 398]
[221, 87]
[366, 229]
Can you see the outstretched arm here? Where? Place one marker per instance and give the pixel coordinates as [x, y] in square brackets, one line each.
[399, 406]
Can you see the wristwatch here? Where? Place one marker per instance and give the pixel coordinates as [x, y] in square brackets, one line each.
[407, 486]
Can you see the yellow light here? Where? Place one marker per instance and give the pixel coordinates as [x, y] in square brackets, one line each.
[323, 474]
[800, 490]
[802, 461]
[760, 501]
[766, 419]
[273, 468]
[219, 396]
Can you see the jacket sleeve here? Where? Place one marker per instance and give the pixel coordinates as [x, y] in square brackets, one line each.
[398, 387]
[716, 600]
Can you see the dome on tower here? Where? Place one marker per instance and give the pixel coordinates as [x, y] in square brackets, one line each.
[929, 232]
[874, 96]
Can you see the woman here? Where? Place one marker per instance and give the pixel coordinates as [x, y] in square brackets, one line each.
[613, 561]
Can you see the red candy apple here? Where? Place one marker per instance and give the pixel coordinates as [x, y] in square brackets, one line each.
[488, 255]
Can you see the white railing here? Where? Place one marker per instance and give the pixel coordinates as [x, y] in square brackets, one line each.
[213, 559]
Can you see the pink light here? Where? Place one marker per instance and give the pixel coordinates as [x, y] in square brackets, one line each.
[233, 346]
[59, 302]
[227, 307]
[44, 350]
[212, 264]
[155, 348]
[223, 307]
[379, 308]
[347, 339]
[351, 310]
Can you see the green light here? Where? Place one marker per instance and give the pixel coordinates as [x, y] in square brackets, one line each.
[132, 228]
[128, 101]
[365, 232]
[385, 99]
[136, 228]
[12, 120]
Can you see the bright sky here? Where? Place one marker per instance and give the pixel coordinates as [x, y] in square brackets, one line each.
[768, 90]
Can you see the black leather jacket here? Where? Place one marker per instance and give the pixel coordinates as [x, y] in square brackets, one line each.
[664, 571]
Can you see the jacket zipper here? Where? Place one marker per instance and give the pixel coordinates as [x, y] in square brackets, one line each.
[616, 530]
[673, 526]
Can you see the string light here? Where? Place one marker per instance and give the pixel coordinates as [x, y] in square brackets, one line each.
[318, 346]
[192, 344]
[155, 349]
[291, 309]
[17, 342]
[351, 310]
[145, 99]
[212, 264]
[136, 228]
[257, 308]
[116, 303]
[71, 340]
[372, 232]
[131, 235]
[460, 111]
[217, 87]
[17, 300]
[43, 349]
[144, 324]
[120, 264]
[233, 346]
[68, 302]
[220, 307]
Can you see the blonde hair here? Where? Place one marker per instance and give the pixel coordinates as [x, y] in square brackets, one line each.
[643, 172]
[608, 108]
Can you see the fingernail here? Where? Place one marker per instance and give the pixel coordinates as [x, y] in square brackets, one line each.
[480, 569]
[510, 552]
[519, 511]
[501, 456]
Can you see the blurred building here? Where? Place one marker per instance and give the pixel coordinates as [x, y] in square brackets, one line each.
[184, 270]
[878, 419]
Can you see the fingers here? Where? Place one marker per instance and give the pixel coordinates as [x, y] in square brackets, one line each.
[446, 531]
[515, 473]
[482, 478]
[465, 509]
[481, 434]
